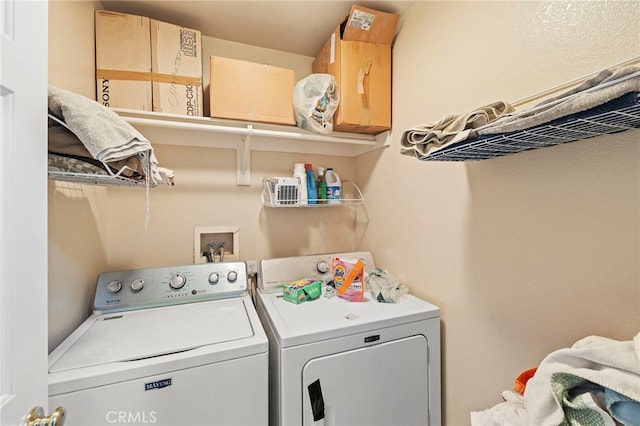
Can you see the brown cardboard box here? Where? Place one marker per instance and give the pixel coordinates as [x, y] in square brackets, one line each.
[148, 65]
[176, 64]
[358, 55]
[250, 91]
[123, 60]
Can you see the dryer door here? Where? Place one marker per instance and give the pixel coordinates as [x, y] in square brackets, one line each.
[380, 385]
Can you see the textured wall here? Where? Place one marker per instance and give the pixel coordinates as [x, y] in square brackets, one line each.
[526, 253]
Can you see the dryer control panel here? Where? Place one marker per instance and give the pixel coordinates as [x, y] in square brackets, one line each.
[155, 287]
[274, 273]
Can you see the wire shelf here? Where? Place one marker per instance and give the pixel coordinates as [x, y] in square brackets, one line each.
[615, 116]
[96, 179]
[352, 197]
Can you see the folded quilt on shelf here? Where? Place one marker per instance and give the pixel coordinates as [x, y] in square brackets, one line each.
[595, 382]
[83, 129]
[70, 164]
[420, 141]
[598, 106]
[604, 87]
[63, 143]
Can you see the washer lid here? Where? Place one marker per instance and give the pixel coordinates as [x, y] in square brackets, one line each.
[133, 335]
[331, 317]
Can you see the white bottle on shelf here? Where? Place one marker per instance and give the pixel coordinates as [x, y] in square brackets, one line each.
[300, 173]
[334, 186]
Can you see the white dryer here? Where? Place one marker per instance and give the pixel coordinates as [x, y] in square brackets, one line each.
[166, 346]
[335, 362]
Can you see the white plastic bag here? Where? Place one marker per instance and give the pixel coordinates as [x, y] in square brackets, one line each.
[315, 99]
[384, 287]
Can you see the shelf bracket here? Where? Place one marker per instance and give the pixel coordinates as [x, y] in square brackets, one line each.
[243, 159]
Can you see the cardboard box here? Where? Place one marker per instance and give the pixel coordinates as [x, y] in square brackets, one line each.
[249, 91]
[176, 64]
[148, 65]
[358, 55]
[123, 61]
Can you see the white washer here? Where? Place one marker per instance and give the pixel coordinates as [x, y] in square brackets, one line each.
[166, 346]
[335, 362]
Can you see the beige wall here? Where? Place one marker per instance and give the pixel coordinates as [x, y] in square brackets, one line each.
[526, 253]
[77, 217]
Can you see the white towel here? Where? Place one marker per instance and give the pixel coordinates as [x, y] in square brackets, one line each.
[103, 132]
[421, 140]
[603, 88]
[106, 135]
[511, 412]
[606, 362]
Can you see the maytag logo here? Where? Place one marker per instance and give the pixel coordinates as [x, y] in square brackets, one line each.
[157, 385]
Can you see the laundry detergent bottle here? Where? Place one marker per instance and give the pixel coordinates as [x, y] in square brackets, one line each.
[334, 186]
[298, 172]
[321, 186]
[312, 197]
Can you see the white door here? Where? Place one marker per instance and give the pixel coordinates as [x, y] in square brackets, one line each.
[380, 385]
[23, 208]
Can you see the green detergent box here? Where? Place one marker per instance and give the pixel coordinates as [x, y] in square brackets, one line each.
[302, 290]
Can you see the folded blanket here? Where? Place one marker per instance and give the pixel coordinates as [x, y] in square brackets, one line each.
[62, 163]
[103, 132]
[105, 135]
[423, 139]
[64, 143]
[602, 88]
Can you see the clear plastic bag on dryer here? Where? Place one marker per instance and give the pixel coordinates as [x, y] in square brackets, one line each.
[384, 287]
[315, 100]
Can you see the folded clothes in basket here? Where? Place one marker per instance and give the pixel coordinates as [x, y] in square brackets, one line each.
[595, 381]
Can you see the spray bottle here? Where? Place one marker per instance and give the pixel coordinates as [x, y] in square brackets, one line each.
[312, 197]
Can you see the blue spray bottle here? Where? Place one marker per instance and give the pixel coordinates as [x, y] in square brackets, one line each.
[311, 184]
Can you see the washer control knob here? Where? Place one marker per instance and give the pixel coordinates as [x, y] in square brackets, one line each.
[137, 285]
[214, 277]
[232, 276]
[177, 281]
[114, 287]
[322, 267]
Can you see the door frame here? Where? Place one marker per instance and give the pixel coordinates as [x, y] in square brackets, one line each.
[23, 208]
